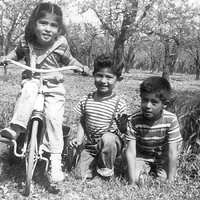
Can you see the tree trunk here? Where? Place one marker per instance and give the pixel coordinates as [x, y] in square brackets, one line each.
[2, 54]
[129, 62]
[170, 58]
[197, 65]
[153, 64]
[166, 71]
[197, 73]
[119, 48]
[167, 67]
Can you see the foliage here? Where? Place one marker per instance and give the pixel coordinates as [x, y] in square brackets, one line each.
[91, 42]
[158, 29]
[6, 114]
[169, 21]
[187, 108]
[13, 17]
[120, 19]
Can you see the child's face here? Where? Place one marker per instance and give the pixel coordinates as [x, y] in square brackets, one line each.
[105, 81]
[151, 106]
[47, 29]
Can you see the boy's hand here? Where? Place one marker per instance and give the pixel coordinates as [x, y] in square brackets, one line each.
[122, 122]
[74, 143]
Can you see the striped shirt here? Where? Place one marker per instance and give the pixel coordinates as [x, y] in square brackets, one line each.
[99, 114]
[59, 56]
[153, 138]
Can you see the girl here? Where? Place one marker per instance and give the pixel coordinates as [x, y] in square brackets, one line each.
[43, 46]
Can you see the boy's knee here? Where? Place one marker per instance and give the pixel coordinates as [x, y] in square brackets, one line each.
[78, 175]
[112, 143]
[83, 174]
[108, 137]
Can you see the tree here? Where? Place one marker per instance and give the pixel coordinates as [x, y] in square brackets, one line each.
[167, 19]
[153, 48]
[120, 19]
[191, 40]
[86, 41]
[13, 17]
[170, 20]
[192, 47]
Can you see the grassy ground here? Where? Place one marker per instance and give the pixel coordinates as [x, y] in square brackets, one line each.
[12, 176]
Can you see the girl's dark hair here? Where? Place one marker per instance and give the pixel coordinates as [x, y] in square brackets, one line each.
[156, 84]
[111, 61]
[39, 12]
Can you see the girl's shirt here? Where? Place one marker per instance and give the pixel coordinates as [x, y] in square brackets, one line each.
[56, 56]
[99, 114]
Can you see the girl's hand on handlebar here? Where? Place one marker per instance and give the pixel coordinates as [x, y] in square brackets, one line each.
[4, 60]
[86, 71]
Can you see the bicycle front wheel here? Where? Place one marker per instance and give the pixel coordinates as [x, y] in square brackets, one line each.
[31, 159]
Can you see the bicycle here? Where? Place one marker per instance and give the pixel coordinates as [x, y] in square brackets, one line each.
[32, 146]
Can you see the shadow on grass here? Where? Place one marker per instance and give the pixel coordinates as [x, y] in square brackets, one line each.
[13, 171]
[121, 170]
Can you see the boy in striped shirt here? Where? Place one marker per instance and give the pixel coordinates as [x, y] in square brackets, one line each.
[153, 134]
[99, 116]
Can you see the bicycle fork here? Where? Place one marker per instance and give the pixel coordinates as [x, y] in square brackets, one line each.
[39, 116]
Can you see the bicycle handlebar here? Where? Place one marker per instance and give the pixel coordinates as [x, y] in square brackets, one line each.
[45, 70]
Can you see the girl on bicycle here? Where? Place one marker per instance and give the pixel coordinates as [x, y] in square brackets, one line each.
[43, 46]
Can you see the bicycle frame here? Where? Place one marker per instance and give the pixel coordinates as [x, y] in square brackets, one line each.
[32, 147]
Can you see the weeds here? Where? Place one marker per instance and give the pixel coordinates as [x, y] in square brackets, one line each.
[186, 186]
[6, 114]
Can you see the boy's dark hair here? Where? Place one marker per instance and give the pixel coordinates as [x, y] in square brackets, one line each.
[39, 12]
[156, 84]
[111, 61]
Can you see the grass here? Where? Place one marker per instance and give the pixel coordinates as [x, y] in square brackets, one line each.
[12, 177]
